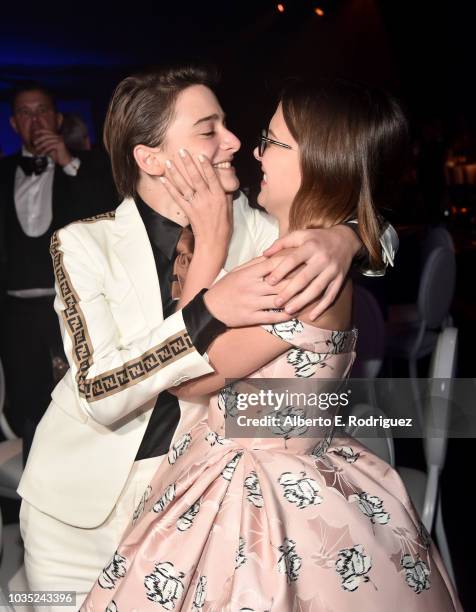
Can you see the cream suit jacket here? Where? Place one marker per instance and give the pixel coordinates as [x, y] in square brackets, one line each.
[121, 353]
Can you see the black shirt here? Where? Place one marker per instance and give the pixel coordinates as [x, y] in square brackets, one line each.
[201, 326]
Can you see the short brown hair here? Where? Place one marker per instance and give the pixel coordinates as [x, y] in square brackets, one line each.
[25, 86]
[352, 142]
[140, 112]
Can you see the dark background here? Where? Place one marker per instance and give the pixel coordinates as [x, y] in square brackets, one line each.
[422, 52]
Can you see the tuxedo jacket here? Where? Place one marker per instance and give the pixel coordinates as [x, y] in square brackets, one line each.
[121, 353]
[88, 193]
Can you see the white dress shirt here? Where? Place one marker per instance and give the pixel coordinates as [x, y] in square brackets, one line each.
[34, 196]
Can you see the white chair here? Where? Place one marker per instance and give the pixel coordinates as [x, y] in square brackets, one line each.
[11, 459]
[4, 426]
[436, 237]
[415, 340]
[422, 487]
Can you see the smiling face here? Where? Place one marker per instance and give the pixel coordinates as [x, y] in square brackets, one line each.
[198, 125]
[281, 171]
[33, 110]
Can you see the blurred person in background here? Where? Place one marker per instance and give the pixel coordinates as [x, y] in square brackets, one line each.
[75, 132]
[43, 186]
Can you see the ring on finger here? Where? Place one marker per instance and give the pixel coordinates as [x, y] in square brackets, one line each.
[189, 197]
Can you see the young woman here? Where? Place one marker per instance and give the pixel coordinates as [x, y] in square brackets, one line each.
[285, 523]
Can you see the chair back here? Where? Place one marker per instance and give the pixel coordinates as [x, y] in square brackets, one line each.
[436, 237]
[4, 426]
[437, 286]
[437, 408]
[370, 348]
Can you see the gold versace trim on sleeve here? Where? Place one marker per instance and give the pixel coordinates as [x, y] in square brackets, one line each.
[130, 373]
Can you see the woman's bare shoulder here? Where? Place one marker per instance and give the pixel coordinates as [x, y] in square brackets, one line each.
[339, 314]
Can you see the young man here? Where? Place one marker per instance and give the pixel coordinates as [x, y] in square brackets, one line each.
[111, 420]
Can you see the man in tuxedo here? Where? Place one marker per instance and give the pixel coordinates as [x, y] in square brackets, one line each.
[42, 187]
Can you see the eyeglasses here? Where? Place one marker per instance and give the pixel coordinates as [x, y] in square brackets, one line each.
[264, 141]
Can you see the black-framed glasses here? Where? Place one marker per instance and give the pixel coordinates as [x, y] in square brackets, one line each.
[264, 141]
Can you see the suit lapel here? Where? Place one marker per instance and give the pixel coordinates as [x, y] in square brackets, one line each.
[64, 199]
[57, 196]
[8, 176]
[134, 251]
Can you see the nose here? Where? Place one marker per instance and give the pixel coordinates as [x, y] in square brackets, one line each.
[35, 125]
[230, 142]
[256, 154]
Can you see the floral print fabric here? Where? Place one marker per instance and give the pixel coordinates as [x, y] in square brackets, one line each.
[284, 524]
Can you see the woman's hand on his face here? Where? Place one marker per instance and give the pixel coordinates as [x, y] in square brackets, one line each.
[202, 198]
[327, 255]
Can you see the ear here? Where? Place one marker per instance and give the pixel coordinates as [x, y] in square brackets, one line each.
[13, 123]
[149, 160]
[59, 121]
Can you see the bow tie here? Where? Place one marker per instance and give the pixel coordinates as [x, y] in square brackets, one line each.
[31, 165]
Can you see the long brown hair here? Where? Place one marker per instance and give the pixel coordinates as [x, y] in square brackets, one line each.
[140, 112]
[352, 141]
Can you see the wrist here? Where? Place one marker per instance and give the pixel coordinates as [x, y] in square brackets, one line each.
[212, 304]
[65, 160]
[211, 252]
[201, 324]
[349, 233]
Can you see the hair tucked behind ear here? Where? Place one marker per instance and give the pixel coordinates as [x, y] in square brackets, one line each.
[352, 141]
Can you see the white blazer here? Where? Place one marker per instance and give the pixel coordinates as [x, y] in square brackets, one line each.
[121, 353]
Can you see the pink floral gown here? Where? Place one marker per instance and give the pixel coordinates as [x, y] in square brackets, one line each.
[251, 525]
